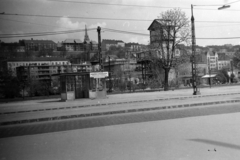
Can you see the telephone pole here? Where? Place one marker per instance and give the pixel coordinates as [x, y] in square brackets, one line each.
[99, 48]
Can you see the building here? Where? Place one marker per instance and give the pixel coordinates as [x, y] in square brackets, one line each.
[107, 43]
[134, 47]
[44, 72]
[37, 45]
[224, 61]
[73, 45]
[11, 47]
[13, 63]
[78, 45]
[160, 32]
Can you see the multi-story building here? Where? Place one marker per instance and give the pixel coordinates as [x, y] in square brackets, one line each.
[216, 60]
[11, 47]
[134, 47]
[224, 61]
[160, 32]
[107, 43]
[13, 63]
[37, 45]
[44, 72]
[73, 45]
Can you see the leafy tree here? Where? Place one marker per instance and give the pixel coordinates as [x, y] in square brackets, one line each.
[45, 52]
[236, 60]
[9, 85]
[28, 54]
[119, 51]
[168, 34]
[63, 51]
[223, 76]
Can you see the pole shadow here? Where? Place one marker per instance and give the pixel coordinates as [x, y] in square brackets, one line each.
[223, 144]
[52, 101]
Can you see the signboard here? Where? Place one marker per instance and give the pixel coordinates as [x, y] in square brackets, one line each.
[99, 74]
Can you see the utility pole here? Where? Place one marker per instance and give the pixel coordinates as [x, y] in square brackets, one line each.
[109, 70]
[193, 58]
[232, 75]
[99, 48]
[209, 71]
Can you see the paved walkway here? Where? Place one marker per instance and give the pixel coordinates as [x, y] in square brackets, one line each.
[118, 98]
[49, 110]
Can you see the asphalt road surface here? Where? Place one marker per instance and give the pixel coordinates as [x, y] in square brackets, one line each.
[63, 125]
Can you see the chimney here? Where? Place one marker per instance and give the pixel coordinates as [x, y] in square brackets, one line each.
[31, 39]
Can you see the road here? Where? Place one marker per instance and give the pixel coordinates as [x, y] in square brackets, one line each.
[98, 121]
[209, 132]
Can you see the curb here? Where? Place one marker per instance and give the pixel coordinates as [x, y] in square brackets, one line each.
[113, 112]
[113, 103]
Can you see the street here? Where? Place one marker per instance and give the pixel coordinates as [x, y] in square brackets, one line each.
[205, 131]
[193, 133]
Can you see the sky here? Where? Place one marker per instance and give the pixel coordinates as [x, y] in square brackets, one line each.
[128, 10]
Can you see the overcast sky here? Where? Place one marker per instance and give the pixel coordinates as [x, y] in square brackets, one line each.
[33, 24]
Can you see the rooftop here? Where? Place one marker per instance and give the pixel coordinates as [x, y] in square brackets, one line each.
[38, 41]
[72, 41]
[36, 59]
[223, 57]
[111, 41]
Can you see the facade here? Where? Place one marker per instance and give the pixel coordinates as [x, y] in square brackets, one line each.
[12, 47]
[217, 61]
[107, 43]
[13, 63]
[160, 31]
[224, 61]
[73, 45]
[135, 47]
[37, 45]
[212, 60]
[44, 72]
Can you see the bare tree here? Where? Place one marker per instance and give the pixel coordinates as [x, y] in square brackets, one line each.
[171, 30]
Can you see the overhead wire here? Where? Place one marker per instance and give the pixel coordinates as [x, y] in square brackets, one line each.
[72, 29]
[129, 5]
[127, 32]
[42, 33]
[102, 18]
[233, 2]
[40, 24]
[103, 29]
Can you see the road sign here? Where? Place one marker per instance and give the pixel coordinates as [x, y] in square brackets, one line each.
[99, 74]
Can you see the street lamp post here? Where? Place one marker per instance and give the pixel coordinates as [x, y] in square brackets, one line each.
[209, 72]
[109, 70]
[99, 49]
[193, 58]
[232, 71]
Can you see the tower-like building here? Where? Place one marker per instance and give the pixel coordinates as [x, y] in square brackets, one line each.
[86, 38]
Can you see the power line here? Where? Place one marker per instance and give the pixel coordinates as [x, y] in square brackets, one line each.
[31, 23]
[70, 28]
[141, 34]
[218, 26]
[233, 2]
[74, 17]
[126, 32]
[102, 18]
[82, 30]
[221, 38]
[127, 5]
[218, 21]
[42, 33]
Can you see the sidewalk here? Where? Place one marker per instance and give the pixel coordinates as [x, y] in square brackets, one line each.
[48, 110]
[116, 98]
